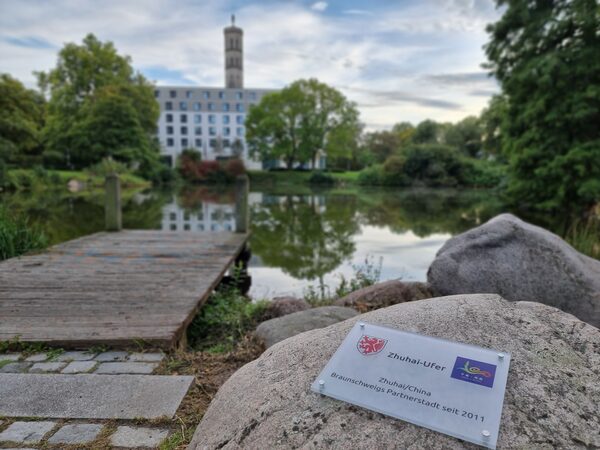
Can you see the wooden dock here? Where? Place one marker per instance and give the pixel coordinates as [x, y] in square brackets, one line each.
[114, 288]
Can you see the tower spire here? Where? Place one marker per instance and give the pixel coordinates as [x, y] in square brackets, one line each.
[233, 20]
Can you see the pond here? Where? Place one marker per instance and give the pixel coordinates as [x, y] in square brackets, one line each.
[301, 237]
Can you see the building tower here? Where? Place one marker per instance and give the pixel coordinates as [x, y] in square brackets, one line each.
[234, 63]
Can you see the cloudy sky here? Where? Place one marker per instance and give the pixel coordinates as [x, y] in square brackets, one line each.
[399, 60]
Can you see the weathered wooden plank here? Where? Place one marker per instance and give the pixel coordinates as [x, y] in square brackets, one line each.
[113, 288]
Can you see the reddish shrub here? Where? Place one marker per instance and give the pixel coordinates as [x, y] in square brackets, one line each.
[235, 167]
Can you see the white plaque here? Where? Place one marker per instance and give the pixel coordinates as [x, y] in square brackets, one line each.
[453, 388]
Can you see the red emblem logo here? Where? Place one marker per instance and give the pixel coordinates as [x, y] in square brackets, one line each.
[369, 345]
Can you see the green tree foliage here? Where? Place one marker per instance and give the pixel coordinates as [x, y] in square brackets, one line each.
[546, 55]
[492, 124]
[21, 119]
[98, 107]
[465, 135]
[297, 122]
[428, 132]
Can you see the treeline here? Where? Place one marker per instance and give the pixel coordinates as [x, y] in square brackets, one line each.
[91, 107]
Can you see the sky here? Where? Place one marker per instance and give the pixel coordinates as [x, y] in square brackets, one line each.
[399, 60]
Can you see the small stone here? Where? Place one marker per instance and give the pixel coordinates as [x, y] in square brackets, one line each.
[111, 356]
[26, 432]
[126, 367]
[78, 433]
[146, 357]
[138, 437]
[76, 356]
[10, 357]
[79, 367]
[16, 367]
[38, 357]
[45, 367]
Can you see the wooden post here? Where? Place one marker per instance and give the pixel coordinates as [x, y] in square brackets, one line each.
[241, 204]
[112, 204]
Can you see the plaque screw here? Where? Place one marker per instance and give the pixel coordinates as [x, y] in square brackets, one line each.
[321, 384]
[362, 324]
[501, 355]
[485, 433]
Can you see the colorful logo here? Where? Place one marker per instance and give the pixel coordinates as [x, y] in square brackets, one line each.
[369, 345]
[476, 372]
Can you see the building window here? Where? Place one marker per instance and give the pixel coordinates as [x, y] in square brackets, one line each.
[169, 118]
[213, 143]
[183, 118]
[200, 227]
[169, 130]
[212, 118]
[197, 106]
[239, 107]
[173, 216]
[173, 227]
[184, 130]
[225, 120]
[183, 106]
[225, 106]
[239, 95]
[240, 131]
[188, 94]
[198, 131]
[221, 95]
[173, 94]
[252, 95]
[170, 142]
[239, 120]
[197, 118]
[206, 95]
[226, 131]
[198, 143]
[184, 143]
[156, 94]
[212, 131]
[211, 106]
[168, 106]
[226, 143]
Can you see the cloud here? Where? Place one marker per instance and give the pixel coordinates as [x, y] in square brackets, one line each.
[28, 42]
[319, 6]
[468, 78]
[357, 12]
[392, 96]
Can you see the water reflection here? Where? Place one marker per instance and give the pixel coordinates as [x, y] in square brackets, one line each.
[298, 238]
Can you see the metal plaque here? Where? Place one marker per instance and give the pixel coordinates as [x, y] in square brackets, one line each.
[453, 388]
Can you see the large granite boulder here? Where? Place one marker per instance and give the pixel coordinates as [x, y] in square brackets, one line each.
[275, 330]
[520, 262]
[282, 306]
[384, 294]
[551, 400]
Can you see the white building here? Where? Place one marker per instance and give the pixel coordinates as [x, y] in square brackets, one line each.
[208, 119]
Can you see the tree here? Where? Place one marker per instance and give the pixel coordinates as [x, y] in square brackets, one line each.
[427, 132]
[492, 123]
[383, 144]
[297, 122]
[465, 136]
[546, 55]
[21, 120]
[99, 106]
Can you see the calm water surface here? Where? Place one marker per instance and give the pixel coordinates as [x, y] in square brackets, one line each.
[300, 238]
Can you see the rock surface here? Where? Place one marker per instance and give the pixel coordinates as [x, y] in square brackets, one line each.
[282, 306]
[275, 330]
[384, 294]
[551, 399]
[520, 262]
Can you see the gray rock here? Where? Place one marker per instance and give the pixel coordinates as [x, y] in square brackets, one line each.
[76, 433]
[520, 262]
[138, 437]
[551, 400]
[10, 357]
[91, 396]
[385, 294]
[275, 330]
[281, 306]
[76, 356]
[16, 367]
[126, 367]
[45, 367]
[112, 356]
[79, 367]
[38, 357]
[147, 357]
[26, 432]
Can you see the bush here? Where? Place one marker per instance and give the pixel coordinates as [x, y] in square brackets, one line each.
[482, 173]
[106, 167]
[371, 175]
[321, 178]
[234, 168]
[17, 237]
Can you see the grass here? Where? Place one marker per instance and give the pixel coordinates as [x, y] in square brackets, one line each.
[17, 237]
[296, 177]
[585, 237]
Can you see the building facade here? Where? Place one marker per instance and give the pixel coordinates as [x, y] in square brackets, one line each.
[211, 120]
